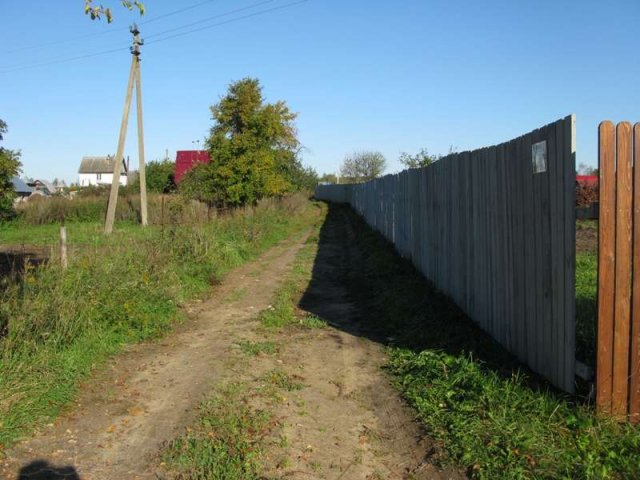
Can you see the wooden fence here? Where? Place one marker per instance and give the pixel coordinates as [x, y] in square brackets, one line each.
[618, 344]
[495, 230]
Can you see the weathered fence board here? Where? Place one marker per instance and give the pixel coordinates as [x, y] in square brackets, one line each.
[606, 265]
[618, 339]
[496, 235]
[622, 307]
[634, 384]
[569, 256]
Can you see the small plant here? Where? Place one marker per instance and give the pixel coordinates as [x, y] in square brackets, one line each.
[257, 348]
[311, 321]
[284, 311]
[225, 442]
[283, 380]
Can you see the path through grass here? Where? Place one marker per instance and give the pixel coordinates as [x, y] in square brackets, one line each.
[59, 325]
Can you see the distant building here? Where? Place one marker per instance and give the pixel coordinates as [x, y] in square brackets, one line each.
[42, 187]
[59, 185]
[96, 171]
[187, 159]
[587, 180]
[23, 190]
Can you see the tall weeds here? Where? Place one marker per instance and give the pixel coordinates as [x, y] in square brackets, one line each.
[163, 209]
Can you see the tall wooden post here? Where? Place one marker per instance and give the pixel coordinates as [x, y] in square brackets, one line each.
[143, 178]
[115, 182]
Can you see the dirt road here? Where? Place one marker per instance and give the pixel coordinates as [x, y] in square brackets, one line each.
[147, 395]
[346, 423]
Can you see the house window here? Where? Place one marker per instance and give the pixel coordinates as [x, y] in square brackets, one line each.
[99, 176]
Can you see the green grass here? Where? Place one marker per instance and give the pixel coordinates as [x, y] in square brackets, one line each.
[118, 290]
[586, 306]
[586, 290]
[82, 233]
[224, 444]
[488, 415]
[253, 349]
[284, 311]
[281, 379]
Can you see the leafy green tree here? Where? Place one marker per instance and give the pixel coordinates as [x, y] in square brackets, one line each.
[328, 178]
[363, 166]
[203, 183]
[584, 169]
[253, 147]
[9, 167]
[96, 12]
[421, 159]
[298, 176]
[160, 175]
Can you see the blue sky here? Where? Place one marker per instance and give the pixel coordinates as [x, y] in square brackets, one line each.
[391, 76]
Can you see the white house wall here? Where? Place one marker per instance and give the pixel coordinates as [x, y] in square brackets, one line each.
[95, 179]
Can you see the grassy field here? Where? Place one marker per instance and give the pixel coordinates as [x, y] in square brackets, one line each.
[57, 326]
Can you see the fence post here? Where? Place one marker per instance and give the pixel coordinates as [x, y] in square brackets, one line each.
[618, 335]
[634, 373]
[606, 265]
[63, 247]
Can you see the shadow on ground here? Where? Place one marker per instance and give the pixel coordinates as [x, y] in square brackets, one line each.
[43, 470]
[362, 286]
[14, 261]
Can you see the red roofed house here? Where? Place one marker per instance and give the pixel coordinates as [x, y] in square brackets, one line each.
[187, 159]
[587, 180]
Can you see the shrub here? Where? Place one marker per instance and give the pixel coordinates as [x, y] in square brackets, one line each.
[586, 195]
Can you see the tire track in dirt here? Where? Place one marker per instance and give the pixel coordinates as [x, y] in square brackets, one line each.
[147, 395]
[348, 422]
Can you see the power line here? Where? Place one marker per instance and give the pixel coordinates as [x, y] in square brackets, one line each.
[113, 50]
[262, 12]
[160, 17]
[204, 20]
[107, 32]
[175, 12]
[64, 60]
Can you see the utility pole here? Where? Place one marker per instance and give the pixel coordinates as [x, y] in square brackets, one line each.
[134, 76]
[137, 42]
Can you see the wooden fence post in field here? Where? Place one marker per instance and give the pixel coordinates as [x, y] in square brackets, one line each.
[63, 247]
[618, 356]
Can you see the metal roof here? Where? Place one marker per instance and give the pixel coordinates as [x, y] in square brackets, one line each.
[98, 165]
[187, 159]
[45, 183]
[20, 186]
